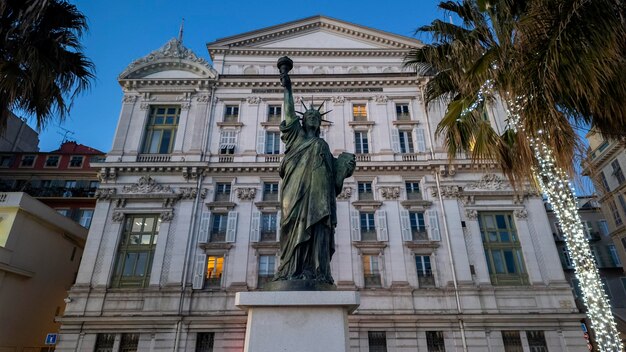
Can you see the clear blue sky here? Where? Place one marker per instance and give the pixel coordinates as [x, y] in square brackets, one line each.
[124, 30]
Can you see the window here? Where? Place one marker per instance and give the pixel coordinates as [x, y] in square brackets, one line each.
[614, 255]
[76, 161]
[129, 342]
[616, 217]
[413, 190]
[368, 230]
[6, 160]
[228, 141]
[617, 172]
[214, 270]
[424, 271]
[365, 191]
[64, 212]
[605, 184]
[361, 145]
[359, 112]
[218, 228]
[268, 226]
[377, 341]
[270, 191]
[578, 293]
[85, 216]
[503, 251]
[267, 266]
[588, 229]
[402, 112]
[566, 258]
[205, 341]
[418, 226]
[222, 192]
[104, 343]
[28, 161]
[406, 142]
[434, 341]
[274, 113]
[136, 250]
[371, 271]
[512, 341]
[622, 202]
[161, 129]
[272, 143]
[536, 341]
[604, 227]
[231, 113]
[52, 161]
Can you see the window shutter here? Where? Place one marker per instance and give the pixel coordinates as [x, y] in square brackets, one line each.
[260, 142]
[382, 225]
[199, 272]
[395, 140]
[256, 226]
[405, 224]
[231, 227]
[355, 222]
[433, 219]
[203, 231]
[278, 225]
[421, 140]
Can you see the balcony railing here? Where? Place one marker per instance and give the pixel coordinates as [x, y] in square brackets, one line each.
[153, 158]
[272, 158]
[43, 192]
[268, 236]
[213, 282]
[368, 235]
[403, 116]
[426, 281]
[420, 235]
[226, 159]
[363, 157]
[218, 237]
[372, 280]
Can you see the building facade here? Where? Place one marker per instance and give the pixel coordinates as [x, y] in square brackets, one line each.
[445, 256]
[63, 179]
[39, 255]
[18, 136]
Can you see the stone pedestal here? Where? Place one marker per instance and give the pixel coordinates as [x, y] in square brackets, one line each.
[302, 321]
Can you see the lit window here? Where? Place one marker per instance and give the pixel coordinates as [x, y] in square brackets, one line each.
[27, 161]
[435, 342]
[270, 191]
[503, 250]
[368, 229]
[222, 192]
[215, 268]
[267, 267]
[512, 341]
[136, 251]
[359, 112]
[205, 341]
[274, 113]
[371, 271]
[413, 190]
[365, 190]
[76, 161]
[377, 341]
[272, 143]
[406, 142]
[418, 226]
[231, 113]
[361, 145]
[402, 112]
[268, 226]
[424, 271]
[52, 161]
[536, 341]
[161, 129]
[218, 228]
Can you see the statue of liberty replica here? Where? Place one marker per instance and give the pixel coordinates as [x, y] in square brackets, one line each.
[311, 180]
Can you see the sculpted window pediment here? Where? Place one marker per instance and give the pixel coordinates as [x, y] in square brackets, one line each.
[416, 205]
[367, 205]
[268, 206]
[220, 206]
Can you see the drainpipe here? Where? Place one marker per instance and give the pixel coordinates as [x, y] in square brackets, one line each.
[194, 215]
[446, 231]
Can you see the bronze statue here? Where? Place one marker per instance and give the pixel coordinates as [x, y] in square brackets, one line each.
[312, 179]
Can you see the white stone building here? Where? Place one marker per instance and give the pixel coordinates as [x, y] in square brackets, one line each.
[194, 163]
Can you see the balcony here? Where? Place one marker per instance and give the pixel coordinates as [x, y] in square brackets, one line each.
[372, 281]
[226, 158]
[363, 157]
[54, 192]
[268, 236]
[419, 235]
[273, 158]
[153, 158]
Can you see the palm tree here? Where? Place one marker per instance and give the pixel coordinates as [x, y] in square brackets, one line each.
[42, 66]
[554, 65]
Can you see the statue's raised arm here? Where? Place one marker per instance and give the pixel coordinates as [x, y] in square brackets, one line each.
[284, 66]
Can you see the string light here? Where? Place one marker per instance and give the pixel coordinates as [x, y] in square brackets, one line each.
[555, 185]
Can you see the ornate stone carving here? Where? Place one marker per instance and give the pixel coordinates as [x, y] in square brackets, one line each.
[166, 216]
[117, 216]
[120, 202]
[381, 99]
[190, 173]
[521, 213]
[447, 191]
[471, 214]
[204, 98]
[390, 192]
[104, 193]
[489, 181]
[147, 184]
[346, 193]
[185, 106]
[244, 194]
[187, 193]
[144, 106]
[129, 98]
[253, 100]
[338, 99]
[203, 193]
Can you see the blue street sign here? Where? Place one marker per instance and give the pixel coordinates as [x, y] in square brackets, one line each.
[51, 339]
[583, 326]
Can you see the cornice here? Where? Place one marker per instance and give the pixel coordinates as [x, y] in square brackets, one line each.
[297, 52]
[304, 82]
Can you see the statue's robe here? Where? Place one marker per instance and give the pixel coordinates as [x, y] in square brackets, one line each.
[308, 205]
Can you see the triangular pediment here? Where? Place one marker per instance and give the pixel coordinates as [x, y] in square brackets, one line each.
[317, 32]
